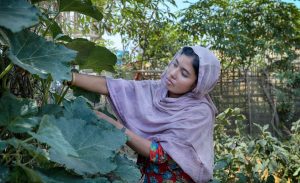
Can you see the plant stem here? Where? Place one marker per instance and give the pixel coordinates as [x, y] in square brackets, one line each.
[62, 90]
[6, 70]
[26, 140]
[63, 95]
[46, 89]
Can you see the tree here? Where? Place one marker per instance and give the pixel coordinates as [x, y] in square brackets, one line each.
[246, 33]
[140, 24]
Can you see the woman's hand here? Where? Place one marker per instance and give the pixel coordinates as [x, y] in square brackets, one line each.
[136, 142]
[101, 115]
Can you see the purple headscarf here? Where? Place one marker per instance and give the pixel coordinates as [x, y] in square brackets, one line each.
[183, 126]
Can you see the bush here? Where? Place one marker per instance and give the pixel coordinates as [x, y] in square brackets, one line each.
[262, 158]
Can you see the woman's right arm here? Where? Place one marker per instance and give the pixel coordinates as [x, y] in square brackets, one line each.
[91, 83]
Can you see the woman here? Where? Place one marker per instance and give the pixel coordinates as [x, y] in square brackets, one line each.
[169, 122]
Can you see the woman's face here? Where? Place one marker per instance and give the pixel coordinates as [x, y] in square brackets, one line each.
[181, 76]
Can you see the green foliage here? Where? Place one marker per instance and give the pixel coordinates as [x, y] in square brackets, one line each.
[92, 56]
[58, 175]
[93, 97]
[17, 15]
[287, 94]
[81, 6]
[147, 26]
[17, 114]
[4, 171]
[258, 34]
[73, 142]
[241, 30]
[43, 140]
[56, 31]
[45, 57]
[126, 169]
[263, 158]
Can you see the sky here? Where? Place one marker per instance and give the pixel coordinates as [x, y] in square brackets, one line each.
[116, 39]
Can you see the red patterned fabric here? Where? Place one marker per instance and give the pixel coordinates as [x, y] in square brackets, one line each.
[160, 167]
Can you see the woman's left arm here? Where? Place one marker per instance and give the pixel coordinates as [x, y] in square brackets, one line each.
[135, 142]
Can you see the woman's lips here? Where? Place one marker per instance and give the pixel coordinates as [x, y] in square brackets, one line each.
[169, 82]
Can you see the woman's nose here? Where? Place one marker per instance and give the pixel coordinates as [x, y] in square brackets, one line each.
[173, 73]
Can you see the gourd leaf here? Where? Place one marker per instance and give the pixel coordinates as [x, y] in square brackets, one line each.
[49, 133]
[81, 6]
[39, 56]
[91, 96]
[3, 145]
[16, 114]
[127, 170]
[50, 109]
[79, 145]
[59, 175]
[91, 56]
[95, 147]
[4, 173]
[17, 15]
[80, 109]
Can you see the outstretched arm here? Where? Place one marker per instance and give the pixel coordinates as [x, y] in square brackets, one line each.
[135, 142]
[91, 83]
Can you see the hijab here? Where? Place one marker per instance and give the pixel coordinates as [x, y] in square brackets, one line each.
[184, 125]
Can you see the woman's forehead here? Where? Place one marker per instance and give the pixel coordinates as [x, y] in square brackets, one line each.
[184, 60]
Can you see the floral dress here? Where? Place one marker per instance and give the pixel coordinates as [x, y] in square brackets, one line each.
[160, 167]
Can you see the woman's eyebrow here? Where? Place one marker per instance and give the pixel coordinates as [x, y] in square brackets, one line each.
[176, 60]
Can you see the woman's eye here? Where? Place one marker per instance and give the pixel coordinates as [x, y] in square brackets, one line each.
[175, 64]
[184, 75]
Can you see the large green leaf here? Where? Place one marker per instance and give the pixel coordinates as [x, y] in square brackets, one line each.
[81, 6]
[39, 56]
[49, 109]
[79, 145]
[95, 146]
[4, 172]
[49, 133]
[80, 109]
[16, 114]
[59, 175]
[127, 170]
[16, 15]
[91, 96]
[2, 145]
[91, 56]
